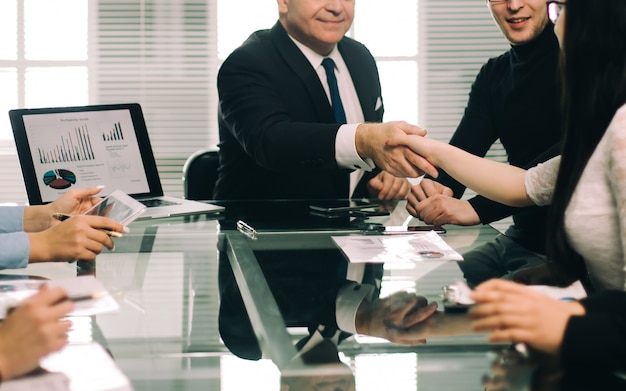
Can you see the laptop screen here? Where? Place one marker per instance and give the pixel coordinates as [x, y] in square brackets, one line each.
[61, 148]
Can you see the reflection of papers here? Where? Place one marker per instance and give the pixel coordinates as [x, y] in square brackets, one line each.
[80, 367]
[88, 294]
[427, 246]
[461, 292]
[88, 367]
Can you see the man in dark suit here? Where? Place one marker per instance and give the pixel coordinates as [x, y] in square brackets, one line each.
[283, 132]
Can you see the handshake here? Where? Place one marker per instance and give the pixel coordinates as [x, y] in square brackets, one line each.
[395, 147]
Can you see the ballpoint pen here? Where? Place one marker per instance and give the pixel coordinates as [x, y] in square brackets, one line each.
[64, 216]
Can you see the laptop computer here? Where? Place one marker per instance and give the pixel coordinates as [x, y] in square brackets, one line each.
[86, 146]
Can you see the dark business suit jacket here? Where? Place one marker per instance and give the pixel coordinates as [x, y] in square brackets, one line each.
[277, 129]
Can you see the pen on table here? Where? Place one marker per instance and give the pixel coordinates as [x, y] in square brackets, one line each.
[64, 216]
[246, 229]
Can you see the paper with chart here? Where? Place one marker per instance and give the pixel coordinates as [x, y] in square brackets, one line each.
[416, 247]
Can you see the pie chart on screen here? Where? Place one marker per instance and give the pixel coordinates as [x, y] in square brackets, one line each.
[59, 178]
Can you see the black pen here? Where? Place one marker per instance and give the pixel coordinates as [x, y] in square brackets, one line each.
[64, 216]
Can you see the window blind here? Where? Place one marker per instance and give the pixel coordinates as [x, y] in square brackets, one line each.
[161, 54]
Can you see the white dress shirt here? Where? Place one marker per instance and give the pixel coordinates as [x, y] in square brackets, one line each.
[345, 146]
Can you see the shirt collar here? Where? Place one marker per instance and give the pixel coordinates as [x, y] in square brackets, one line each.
[314, 58]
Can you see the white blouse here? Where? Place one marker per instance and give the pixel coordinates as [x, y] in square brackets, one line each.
[595, 219]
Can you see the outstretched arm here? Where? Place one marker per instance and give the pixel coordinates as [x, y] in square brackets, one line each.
[497, 181]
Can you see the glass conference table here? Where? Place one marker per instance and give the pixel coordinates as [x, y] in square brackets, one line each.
[207, 306]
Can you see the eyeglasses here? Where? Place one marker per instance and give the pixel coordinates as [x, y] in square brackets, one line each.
[555, 8]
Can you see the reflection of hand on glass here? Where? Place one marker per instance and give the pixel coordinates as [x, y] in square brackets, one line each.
[399, 311]
[510, 370]
[317, 369]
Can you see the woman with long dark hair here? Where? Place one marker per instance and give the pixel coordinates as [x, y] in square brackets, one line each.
[586, 186]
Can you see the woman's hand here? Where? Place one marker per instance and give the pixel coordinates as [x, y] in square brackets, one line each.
[515, 313]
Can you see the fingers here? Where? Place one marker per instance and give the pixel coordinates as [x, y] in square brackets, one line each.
[421, 314]
[423, 165]
[87, 192]
[410, 129]
[48, 295]
[79, 237]
[398, 140]
[48, 303]
[389, 187]
[418, 192]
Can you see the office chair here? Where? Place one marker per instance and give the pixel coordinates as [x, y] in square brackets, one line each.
[200, 174]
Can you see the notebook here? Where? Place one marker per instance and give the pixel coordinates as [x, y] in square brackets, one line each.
[85, 146]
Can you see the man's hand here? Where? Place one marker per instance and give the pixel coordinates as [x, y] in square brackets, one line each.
[401, 310]
[371, 142]
[440, 210]
[434, 203]
[387, 187]
[428, 187]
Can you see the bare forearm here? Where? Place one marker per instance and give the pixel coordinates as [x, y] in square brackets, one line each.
[494, 180]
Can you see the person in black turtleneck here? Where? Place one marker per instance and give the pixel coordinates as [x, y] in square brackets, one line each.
[515, 98]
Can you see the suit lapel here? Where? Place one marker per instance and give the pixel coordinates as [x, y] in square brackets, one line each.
[361, 78]
[294, 58]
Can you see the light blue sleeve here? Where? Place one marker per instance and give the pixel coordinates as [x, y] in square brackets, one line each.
[11, 219]
[14, 244]
[14, 250]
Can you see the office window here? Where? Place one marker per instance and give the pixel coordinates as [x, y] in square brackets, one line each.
[43, 59]
[165, 55]
[43, 62]
[393, 42]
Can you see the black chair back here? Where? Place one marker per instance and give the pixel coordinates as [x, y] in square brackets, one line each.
[200, 174]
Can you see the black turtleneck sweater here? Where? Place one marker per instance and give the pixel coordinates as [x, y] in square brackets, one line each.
[515, 98]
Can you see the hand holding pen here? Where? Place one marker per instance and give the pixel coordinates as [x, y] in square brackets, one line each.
[63, 217]
[78, 237]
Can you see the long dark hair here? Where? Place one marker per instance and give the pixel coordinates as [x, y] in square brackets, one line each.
[594, 87]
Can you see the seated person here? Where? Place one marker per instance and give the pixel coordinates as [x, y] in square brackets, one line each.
[283, 132]
[30, 234]
[584, 187]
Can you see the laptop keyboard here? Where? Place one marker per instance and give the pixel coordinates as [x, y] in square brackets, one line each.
[152, 202]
